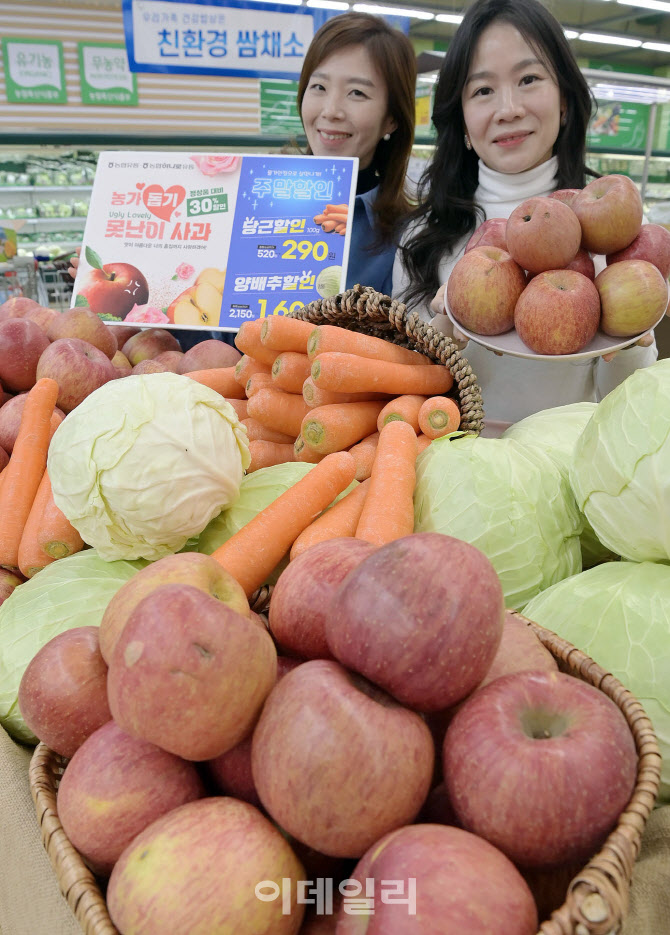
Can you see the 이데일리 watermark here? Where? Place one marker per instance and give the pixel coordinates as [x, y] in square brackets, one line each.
[319, 893]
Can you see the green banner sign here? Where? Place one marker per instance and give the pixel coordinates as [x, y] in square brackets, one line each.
[279, 108]
[34, 71]
[618, 125]
[104, 75]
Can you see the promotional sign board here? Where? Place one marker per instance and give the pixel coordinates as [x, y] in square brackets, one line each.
[620, 125]
[104, 75]
[180, 240]
[34, 71]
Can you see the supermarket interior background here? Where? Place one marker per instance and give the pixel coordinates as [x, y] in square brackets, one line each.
[49, 144]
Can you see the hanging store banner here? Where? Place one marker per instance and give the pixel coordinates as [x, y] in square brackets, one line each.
[618, 125]
[218, 37]
[34, 71]
[104, 75]
[177, 240]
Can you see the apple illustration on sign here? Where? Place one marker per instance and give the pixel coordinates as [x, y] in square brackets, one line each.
[113, 288]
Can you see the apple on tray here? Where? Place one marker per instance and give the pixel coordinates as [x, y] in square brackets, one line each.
[483, 289]
[490, 233]
[78, 367]
[558, 312]
[112, 288]
[21, 346]
[543, 233]
[609, 210]
[16, 306]
[633, 296]
[84, 324]
[541, 764]
[206, 355]
[149, 344]
[652, 244]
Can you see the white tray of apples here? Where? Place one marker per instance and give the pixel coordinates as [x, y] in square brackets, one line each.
[527, 286]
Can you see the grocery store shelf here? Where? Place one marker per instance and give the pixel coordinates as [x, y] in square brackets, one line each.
[44, 188]
[67, 220]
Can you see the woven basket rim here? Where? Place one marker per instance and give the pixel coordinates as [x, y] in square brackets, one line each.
[597, 897]
[363, 309]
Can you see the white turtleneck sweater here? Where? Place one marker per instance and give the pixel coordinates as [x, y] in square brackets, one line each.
[514, 387]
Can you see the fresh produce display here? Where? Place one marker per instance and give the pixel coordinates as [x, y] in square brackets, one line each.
[534, 272]
[210, 775]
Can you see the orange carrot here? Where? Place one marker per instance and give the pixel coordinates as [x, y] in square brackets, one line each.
[256, 382]
[336, 208]
[315, 396]
[253, 552]
[265, 454]
[26, 467]
[304, 453]
[329, 225]
[340, 228]
[364, 455]
[331, 338]
[388, 511]
[290, 370]
[439, 416]
[258, 432]
[348, 373]
[246, 366]
[404, 408]
[56, 536]
[280, 411]
[341, 519]
[319, 218]
[248, 341]
[336, 427]
[31, 558]
[286, 334]
[220, 379]
[338, 216]
[239, 405]
[422, 443]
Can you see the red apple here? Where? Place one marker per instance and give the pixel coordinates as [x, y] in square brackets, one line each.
[437, 879]
[583, 263]
[4, 459]
[41, 316]
[558, 312]
[8, 581]
[114, 787]
[114, 289]
[428, 637]
[10, 420]
[609, 210]
[201, 868]
[543, 233]
[209, 354]
[633, 296]
[652, 244]
[336, 762]
[149, 366]
[77, 367]
[304, 590]
[566, 195]
[121, 363]
[63, 691]
[189, 674]
[192, 568]
[122, 333]
[531, 732]
[483, 289]
[148, 344]
[520, 650]
[17, 306]
[490, 233]
[170, 359]
[21, 345]
[84, 324]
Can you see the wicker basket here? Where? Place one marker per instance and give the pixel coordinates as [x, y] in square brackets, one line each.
[363, 309]
[597, 899]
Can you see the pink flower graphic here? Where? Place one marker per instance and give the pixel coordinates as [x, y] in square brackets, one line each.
[147, 314]
[185, 271]
[215, 163]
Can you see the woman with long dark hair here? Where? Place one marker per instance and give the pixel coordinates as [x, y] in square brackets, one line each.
[511, 112]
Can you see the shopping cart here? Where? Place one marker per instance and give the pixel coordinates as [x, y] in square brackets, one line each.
[18, 277]
[55, 282]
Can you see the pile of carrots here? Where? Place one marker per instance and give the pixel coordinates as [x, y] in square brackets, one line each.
[33, 531]
[333, 219]
[357, 407]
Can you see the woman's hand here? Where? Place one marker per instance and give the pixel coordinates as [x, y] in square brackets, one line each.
[74, 263]
[442, 323]
[645, 341]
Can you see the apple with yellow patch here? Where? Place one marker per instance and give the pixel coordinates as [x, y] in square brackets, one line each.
[200, 304]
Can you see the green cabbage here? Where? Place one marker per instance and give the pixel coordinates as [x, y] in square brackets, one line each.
[510, 501]
[72, 592]
[619, 614]
[621, 469]
[144, 463]
[556, 431]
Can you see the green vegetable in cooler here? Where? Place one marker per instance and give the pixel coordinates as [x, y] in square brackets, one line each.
[508, 500]
[619, 614]
[72, 592]
[144, 463]
[556, 432]
[621, 468]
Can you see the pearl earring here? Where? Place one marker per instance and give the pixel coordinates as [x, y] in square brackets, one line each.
[387, 137]
[468, 144]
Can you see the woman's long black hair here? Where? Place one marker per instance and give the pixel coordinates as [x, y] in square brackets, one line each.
[447, 211]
